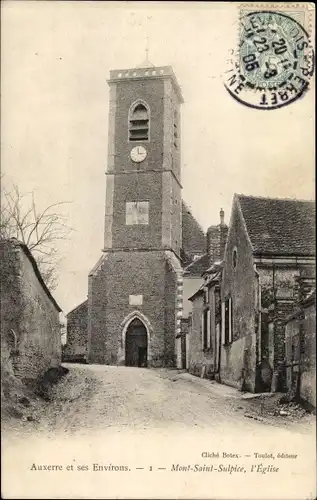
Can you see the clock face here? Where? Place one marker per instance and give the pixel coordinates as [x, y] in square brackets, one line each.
[138, 154]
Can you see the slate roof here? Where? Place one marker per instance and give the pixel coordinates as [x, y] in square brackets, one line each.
[279, 226]
[198, 267]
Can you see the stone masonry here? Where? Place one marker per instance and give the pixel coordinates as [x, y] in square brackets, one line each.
[136, 277]
[76, 345]
[29, 313]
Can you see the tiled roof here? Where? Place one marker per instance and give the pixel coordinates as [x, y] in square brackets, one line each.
[193, 236]
[280, 226]
[198, 267]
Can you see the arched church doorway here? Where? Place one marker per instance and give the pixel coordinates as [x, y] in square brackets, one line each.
[136, 344]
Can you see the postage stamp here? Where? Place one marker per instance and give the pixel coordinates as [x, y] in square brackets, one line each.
[274, 60]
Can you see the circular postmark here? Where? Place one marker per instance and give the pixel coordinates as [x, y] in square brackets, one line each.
[275, 61]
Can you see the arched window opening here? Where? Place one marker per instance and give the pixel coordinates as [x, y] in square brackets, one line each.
[234, 258]
[139, 123]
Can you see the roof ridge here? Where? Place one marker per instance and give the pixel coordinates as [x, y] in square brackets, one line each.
[76, 307]
[196, 260]
[240, 195]
[243, 221]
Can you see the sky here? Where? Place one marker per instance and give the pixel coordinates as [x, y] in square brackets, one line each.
[56, 58]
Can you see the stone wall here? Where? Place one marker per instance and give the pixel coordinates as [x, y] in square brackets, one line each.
[170, 315]
[308, 376]
[201, 361]
[119, 277]
[77, 334]
[300, 342]
[239, 282]
[280, 291]
[29, 314]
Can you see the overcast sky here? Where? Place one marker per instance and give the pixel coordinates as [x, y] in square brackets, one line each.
[56, 57]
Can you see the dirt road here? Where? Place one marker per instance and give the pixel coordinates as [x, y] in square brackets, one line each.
[146, 422]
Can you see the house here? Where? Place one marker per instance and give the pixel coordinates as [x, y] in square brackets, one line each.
[191, 281]
[204, 331]
[30, 328]
[75, 349]
[300, 347]
[270, 248]
[204, 326]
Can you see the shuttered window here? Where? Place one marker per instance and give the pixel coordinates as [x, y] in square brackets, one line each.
[226, 321]
[205, 329]
[139, 121]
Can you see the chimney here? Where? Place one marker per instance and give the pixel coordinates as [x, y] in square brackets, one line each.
[223, 234]
[216, 240]
[222, 218]
[213, 241]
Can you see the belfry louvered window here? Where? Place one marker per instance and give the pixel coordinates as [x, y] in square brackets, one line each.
[139, 122]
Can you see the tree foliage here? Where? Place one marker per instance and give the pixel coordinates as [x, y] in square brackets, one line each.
[40, 230]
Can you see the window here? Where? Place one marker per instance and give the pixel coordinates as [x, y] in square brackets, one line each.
[137, 212]
[205, 329]
[226, 321]
[234, 258]
[139, 120]
[206, 295]
[208, 329]
[175, 129]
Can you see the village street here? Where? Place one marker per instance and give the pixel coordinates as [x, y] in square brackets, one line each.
[103, 397]
[132, 417]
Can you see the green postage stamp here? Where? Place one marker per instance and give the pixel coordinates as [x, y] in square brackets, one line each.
[275, 57]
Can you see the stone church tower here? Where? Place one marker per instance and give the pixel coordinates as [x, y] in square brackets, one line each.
[133, 305]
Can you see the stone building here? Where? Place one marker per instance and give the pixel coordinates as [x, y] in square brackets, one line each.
[134, 291]
[270, 248]
[205, 320]
[30, 329]
[204, 328]
[77, 334]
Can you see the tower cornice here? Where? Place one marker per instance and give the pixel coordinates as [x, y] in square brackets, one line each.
[151, 73]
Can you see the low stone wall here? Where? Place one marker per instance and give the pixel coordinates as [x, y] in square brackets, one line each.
[29, 314]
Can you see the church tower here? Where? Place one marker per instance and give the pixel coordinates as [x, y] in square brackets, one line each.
[132, 298]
